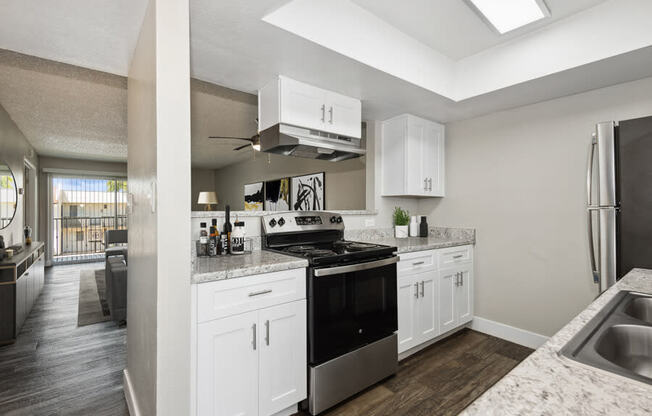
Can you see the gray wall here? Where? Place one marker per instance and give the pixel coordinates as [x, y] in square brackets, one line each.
[344, 181]
[202, 180]
[518, 177]
[14, 149]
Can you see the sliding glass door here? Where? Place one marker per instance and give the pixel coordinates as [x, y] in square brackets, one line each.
[82, 209]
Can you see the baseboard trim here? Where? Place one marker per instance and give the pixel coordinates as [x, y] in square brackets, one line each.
[130, 396]
[509, 333]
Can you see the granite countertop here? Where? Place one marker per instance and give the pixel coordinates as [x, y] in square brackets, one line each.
[548, 384]
[208, 269]
[438, 238]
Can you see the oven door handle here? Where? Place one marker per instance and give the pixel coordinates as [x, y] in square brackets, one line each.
[355, 267]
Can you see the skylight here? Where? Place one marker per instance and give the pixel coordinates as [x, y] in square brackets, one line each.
[507, 15]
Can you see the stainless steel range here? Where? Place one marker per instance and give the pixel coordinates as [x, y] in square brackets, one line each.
[352, 311]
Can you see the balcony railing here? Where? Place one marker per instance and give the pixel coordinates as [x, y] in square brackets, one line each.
[78, 239]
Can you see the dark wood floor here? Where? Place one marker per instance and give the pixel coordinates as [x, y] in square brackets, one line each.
[57, 368]
[440, 380]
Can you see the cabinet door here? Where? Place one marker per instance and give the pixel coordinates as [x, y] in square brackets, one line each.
[447, 293]
[464, 295]
[433, 158]
[427, 306]
[227, 366]
[302, 104]
[407, 314]
[343, 115]
[415, 179]
[283, 356]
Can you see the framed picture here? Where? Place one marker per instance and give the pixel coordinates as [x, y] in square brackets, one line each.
[253, 197]
[308, 192]
[277, 195]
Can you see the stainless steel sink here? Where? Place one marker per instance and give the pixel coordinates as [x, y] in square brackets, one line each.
[640, 308]
[618, 339]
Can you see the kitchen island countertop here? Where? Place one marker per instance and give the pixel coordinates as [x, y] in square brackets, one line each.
[208, 269]
[548, 384]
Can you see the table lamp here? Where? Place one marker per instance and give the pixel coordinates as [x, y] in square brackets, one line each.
[208, 199]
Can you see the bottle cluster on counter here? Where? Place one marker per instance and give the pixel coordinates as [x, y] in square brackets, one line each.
[231, 240]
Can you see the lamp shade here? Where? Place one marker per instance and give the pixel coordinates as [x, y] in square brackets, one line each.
[207, 198]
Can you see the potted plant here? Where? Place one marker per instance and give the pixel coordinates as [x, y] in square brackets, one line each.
[401, 221]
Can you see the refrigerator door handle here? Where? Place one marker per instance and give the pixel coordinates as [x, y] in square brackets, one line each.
[590, 208]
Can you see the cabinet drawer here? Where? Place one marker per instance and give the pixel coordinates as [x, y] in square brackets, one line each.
[233, 296]
[454, 255]
[417, 262]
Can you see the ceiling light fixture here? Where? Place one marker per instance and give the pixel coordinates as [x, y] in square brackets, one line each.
[507, 15]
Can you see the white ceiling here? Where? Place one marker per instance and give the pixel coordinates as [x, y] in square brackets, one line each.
[452, 28]
[398, 57]
[96, 34]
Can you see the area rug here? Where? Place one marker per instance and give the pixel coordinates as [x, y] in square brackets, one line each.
[93, 307]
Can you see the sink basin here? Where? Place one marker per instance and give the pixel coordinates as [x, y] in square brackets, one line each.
[618, 339]
[640, 308]
[628, 346]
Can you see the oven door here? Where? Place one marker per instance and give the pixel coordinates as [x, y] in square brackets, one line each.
[350, 306]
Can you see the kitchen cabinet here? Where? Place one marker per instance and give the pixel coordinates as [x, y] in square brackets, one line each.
[259, 339]
[287, 101]
[456, 297]
[412, 157]
[418, 287]
[433, 300]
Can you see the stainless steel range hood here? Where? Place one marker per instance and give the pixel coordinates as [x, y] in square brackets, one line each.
[313, 144]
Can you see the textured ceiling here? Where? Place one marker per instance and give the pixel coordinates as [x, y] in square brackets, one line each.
[68, 111]
[64, 110]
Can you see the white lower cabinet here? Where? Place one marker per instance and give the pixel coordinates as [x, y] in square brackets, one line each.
[283, 357]
[433, 301]
[252, 363]
[228, 366]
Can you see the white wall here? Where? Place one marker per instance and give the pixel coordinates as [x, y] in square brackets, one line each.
[518, 177]
[158, 335]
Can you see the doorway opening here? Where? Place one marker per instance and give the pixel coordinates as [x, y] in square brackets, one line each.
[82, 209]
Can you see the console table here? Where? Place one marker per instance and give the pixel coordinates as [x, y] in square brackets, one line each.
[21, 280]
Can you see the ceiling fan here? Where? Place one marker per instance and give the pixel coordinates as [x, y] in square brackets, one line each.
[254, 141]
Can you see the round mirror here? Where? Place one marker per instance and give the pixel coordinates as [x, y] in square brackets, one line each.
[8, 195]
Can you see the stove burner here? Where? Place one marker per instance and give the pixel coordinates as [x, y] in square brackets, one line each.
[310, 251]
[354, 246]
[300, 249]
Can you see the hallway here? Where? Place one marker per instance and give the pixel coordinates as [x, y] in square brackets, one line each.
[56, 367]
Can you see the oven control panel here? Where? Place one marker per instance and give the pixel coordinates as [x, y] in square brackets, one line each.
[289, 222]
[309, 220]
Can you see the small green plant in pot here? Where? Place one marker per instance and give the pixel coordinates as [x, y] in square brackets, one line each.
[401, 222]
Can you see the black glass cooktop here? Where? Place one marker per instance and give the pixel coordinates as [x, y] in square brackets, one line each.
[337, 252]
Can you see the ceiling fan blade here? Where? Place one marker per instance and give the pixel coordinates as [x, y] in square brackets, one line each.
[242, 147]
[230, 137]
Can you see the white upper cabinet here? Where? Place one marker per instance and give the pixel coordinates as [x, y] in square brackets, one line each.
[298, 104]
[412, 157]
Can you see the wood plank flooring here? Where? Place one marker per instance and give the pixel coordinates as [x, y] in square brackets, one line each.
[440, 380]
[57, 368]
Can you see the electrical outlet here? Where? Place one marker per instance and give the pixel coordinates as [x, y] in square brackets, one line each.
[370, 222]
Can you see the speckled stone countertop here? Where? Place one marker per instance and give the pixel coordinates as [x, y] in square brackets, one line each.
[438, 238]
[208, 269]
[548, 384]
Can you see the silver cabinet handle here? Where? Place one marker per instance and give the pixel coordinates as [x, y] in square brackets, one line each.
[459, 256]
[323, 113]
[261, 292]
[423, 293]
[461, 278]
[331, 113]
[267, 332]
[253, 343]
[429, 182]
[416, 290]
[457, 279]
[425, 184]
[418, 263]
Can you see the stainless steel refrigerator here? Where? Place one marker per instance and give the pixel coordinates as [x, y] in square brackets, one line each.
[619, 199]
